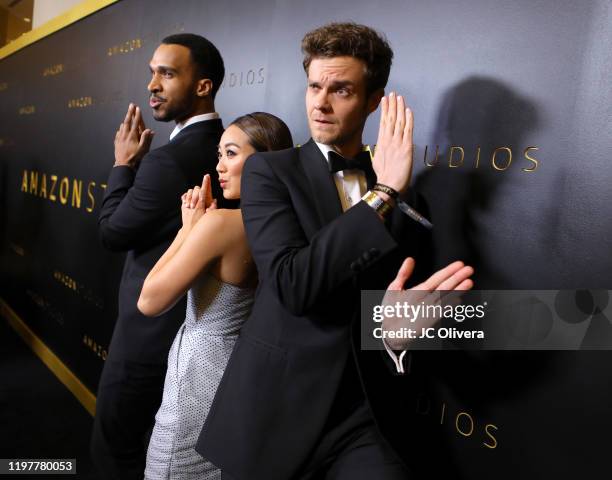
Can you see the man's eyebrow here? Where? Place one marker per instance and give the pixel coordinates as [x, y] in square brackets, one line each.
[342, 83]
[334, 83]
[162, 68]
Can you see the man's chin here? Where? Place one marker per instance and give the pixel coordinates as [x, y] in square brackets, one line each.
[323, 138]
[161, 116]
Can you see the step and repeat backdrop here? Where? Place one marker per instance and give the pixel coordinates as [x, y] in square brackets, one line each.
[513, 112]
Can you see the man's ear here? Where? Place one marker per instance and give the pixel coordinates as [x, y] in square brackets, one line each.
[374, 99]
[204, 87]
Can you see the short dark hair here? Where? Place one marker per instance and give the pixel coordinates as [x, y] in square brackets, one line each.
[205, 56]
[353, 40]
[266, 132]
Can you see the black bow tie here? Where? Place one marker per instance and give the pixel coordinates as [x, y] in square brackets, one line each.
[337, 162]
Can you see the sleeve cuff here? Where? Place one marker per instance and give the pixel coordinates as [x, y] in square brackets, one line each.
[398, 361]
[122, 173]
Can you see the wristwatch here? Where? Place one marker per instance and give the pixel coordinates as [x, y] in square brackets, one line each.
[377, 203]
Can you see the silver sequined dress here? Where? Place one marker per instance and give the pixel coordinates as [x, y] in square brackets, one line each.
[197, 359]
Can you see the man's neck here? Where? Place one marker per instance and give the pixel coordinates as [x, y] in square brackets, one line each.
[198, 111]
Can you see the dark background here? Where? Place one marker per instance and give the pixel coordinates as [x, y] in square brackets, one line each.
[478, 74]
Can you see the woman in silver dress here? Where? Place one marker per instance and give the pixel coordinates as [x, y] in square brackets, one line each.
[210, 260]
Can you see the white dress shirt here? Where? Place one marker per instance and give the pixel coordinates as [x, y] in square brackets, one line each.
[192, 120]
[351, 186]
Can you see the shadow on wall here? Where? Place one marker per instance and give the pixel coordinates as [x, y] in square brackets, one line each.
[479, 137]
[469, 207]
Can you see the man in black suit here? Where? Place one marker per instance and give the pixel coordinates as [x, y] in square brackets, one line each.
[141, 215]
[298, 398]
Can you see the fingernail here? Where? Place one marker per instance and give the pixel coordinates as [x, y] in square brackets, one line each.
[392, 94]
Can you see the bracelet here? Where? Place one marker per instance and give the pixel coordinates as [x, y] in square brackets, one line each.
[379, 187]
[377, 203]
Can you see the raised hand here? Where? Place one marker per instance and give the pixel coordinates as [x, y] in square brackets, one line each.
[205, 194]
[133, 139]
[392, 160]
[455, 277]
[196, 202]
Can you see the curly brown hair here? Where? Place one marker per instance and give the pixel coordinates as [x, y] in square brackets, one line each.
[353, 40]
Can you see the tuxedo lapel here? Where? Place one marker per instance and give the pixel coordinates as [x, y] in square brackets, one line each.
[321, 182]
[369, 174]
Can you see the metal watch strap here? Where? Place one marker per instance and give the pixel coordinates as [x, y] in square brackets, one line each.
[377, 203]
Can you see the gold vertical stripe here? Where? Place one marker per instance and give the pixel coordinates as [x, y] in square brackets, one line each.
[52, 361]
[76, 13]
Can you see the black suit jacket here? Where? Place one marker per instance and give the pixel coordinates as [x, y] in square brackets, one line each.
[282, 379]
[141, 214]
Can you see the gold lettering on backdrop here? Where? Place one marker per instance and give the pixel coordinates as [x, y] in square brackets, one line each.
[65, 280]
[494, 445]
[35, 183]
[79, 289]
[435, 162]
[90, 197]
[53, 70]
[531, 159]
[464, 423]
[3, 86]
[477, 157]
[253, 76]
[497, 161]
[459, 415]
[125, 47]
[95, 347]
[52, 196]
[450, 157]
[27, 110]
[499, 149]
[77, 188]
[80, 102]
[64, 186]
[43, 186]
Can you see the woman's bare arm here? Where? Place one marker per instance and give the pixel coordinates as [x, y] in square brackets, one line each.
[186, 259]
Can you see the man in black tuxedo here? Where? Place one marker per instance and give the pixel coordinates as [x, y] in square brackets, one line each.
[298, 398]
[141, 215]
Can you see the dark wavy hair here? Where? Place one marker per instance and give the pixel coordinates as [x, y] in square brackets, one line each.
[351, 40]
[265, 131]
